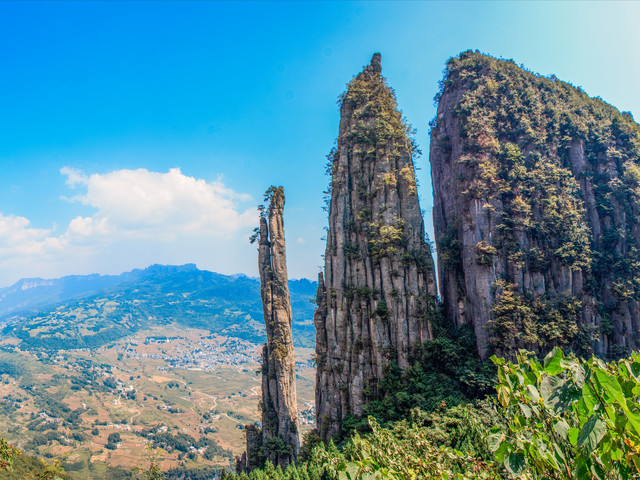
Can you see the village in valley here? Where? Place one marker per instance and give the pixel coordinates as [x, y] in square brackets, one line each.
[187, 391]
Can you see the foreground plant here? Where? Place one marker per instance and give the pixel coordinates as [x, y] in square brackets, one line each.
[406, 452]
[567, 418]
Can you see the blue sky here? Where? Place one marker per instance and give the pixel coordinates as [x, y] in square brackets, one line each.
[134, 133]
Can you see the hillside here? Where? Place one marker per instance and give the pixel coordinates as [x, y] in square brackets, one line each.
[157, 295]
[28, 294]
[537, 208]
[173, 386]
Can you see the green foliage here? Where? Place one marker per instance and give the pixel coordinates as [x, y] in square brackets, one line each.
[276, 446]
[270, 193]
[386, 239]
[53, 471]
[485, 253]
[406, 451]
[540, 157]
[310, 440]
[442, 374]
[7, 454]
[513, 323]
[450, 248]
[198, 472]
[382, 310]
[113, 440]
[11, 368]
[568, 419]
[413, 448]
[15, 465]
[369, 96]
[518, 320]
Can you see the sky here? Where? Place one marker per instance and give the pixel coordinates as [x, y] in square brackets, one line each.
[134, 133]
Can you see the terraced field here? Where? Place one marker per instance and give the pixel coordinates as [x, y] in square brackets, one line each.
[185, 391]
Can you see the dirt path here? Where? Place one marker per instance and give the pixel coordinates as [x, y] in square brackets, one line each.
[134, 416]
[215, 399]
[231, 418]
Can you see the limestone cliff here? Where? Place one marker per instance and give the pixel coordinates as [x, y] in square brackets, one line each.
[378, 290]
[537, 211]
[280, 436]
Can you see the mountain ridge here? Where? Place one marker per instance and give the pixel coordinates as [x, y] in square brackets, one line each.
[158, 294]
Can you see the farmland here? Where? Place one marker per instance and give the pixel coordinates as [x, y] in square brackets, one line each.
[184, 391]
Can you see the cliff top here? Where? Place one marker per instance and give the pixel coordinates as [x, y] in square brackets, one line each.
[472, 69]
[370, 109]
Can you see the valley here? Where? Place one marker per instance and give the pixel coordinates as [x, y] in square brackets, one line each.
[185, 391]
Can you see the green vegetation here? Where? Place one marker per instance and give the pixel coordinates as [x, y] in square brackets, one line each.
[568, 419]
[557, 174]
[375, 131]
[442, 375]
[562, 418]
[368, 96]
[537, 323]
[15, 465]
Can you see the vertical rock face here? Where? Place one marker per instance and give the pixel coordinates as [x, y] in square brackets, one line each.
[378, 290]
[537, 190]
[254, 456]
[280, 435]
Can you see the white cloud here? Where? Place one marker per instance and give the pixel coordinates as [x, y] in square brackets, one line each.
[74, 176]
[140, 217]
[143, 203]
[18, 238]
[15, 230]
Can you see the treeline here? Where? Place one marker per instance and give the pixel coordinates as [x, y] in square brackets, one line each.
[12, 369]
[182, 442]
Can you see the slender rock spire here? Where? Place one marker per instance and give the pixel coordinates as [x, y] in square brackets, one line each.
[378, 291]
[280, 435]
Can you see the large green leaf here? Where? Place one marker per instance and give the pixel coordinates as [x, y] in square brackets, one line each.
[515, 463]
[503, 395]
[532, 391]
[562, 428]
[494, 440]
[552, 362]
[591, 433]
[573, 435]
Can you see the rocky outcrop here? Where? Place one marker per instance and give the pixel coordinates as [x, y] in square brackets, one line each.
[280, 433]
[537, 208]
[378, 289]
[253, 457]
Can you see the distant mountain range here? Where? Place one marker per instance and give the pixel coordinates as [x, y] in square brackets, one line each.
[89, 311]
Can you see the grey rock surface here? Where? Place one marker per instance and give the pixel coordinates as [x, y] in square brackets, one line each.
[377, 294]
[565, 238]
[280, 430]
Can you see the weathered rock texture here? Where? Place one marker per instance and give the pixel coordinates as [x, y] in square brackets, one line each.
[378, 290]
[537, 211]
[253, 457]
[280, 435]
